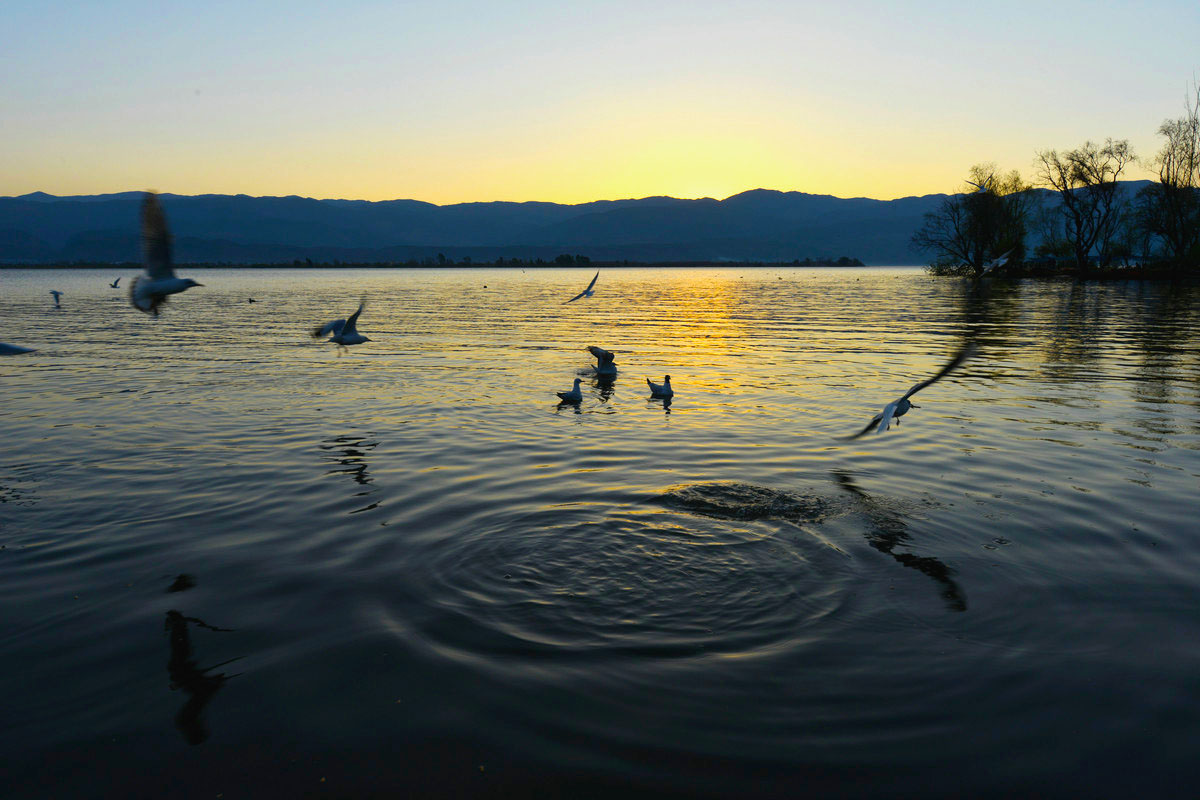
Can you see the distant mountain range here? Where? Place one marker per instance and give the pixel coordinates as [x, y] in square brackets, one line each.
[758, 225]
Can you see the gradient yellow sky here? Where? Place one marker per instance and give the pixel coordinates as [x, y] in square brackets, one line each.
[465, 101]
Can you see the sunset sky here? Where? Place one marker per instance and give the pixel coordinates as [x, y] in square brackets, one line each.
[462, 100]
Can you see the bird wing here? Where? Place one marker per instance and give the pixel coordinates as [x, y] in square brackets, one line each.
[962, 355]
[874, 421]
[328, 328]
[602, 355]
[156, 239]
[12, 349]
[885, 417]
[593, 283]
[352, 323]
[576, 297]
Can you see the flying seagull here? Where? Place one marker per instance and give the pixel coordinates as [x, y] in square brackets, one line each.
[343, 332]
[114, 283]
[605, 364]
[586, 292]
[573, 396]
[982, 187]
[12, 349]
[999, 261]
[149, 291]
[57, 294]
[661, 389]
[898, 408]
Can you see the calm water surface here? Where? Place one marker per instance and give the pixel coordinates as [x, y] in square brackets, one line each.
[409, 571]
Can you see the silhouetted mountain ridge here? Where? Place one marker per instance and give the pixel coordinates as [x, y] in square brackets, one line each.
[755, 225]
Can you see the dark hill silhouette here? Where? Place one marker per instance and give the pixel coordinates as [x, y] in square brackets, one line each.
[755, 225]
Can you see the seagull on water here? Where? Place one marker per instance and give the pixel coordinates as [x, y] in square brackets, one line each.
[573, 396]
[57, 294]
[114, 283]
[898, 408]
[605, 365]
[149, 291]
[586, 292]
[343, 332]
[661, 389]
[12, 349]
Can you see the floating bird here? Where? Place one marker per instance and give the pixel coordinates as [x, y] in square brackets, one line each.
[898, 408]
[999, 261]
[604, 360]
[57, 294]
[12, 349]
[114, 283]
[661, 389]
[573, 396]
[343, 332]
[251, 300]
[586, 292]
[149, 291]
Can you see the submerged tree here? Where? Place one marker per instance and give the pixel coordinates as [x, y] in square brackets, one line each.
[1092, 204]
[1170, 209]
[969, 230]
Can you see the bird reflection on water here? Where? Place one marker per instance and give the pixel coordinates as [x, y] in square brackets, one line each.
[889, 531]
[185, 673]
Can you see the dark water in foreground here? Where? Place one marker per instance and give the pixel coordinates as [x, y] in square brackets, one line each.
[410, 573]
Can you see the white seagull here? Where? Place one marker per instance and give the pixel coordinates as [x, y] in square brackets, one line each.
[149, 291]
[605, 364]
[999, 261]
[982, 187]
[661, 389]
[343, 332]
[898, 408]
[12, 349]
[114, 283]
[57, 294]
[573, 396]
[586, 292]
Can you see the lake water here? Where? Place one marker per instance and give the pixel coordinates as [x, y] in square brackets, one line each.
[238, 564]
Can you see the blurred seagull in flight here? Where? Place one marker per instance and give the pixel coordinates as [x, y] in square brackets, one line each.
[661, 389]
[149, 291]
[12, 349]
[605, 363]
[898, 408]
[343, 332]
[573, 396]
[586, 292]
[57, 294]
[999, 261]
[114, 283]
[982, 187]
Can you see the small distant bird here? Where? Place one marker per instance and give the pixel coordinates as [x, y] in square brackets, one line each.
[586, 292]
[114, 283]
[343, 332]
[982, 187]
[251, 300]
[12, 349]
[57, 294]
[149, 291]
[898, 408]
[999, 261]
[605, 364]
[573, 396]
[661, 389]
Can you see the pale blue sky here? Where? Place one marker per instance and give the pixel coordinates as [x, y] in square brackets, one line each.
[454, 101]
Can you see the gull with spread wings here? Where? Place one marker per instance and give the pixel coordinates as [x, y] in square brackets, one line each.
[148, 292]
[898, 408]
[586, 292]
[343, 332]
